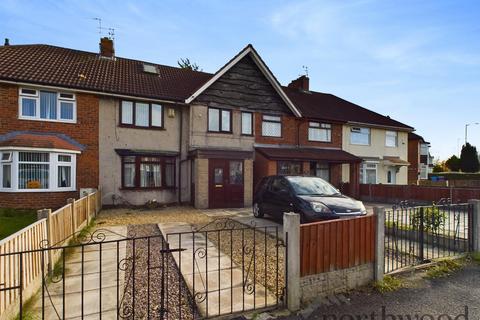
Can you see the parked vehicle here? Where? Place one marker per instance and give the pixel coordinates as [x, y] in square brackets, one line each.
[312, 197]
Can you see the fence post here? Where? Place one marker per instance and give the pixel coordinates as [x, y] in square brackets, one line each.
[476, 224]
[291, 231]
[47, 214]
[74, 214]
[379, 270]
[421, 235]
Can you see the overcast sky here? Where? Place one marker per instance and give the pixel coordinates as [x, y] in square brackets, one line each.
[418, 62]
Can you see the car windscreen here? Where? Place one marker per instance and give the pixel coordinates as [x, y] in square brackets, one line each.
[311, 186]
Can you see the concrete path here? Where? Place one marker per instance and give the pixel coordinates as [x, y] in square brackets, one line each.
[99, 278]
[214, 280]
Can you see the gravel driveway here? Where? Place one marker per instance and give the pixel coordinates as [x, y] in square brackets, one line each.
[428, 299]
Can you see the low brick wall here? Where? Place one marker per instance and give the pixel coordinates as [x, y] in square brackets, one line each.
[327, 283]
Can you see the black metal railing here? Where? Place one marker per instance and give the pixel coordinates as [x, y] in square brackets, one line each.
[419, 234]
[232, 266]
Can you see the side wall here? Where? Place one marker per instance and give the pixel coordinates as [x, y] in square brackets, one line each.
[85, 131]
[114, 137]
[414, 159]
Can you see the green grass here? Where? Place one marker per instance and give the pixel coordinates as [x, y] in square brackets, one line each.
[444, 268]
[388, 284]
[12, 220]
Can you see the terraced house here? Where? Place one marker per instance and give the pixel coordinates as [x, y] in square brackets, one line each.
[74, 120]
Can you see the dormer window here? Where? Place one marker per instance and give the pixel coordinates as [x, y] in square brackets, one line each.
[47, 105]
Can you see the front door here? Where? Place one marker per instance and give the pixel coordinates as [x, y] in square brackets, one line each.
[392, 175]
[226, 183]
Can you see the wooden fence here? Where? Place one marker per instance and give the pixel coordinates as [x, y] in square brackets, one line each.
[336, 244]
[395, 193]
[54, 229]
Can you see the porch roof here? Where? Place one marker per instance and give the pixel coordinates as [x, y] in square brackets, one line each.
[313, 154]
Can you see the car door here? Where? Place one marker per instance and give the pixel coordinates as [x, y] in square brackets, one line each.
[280, 198]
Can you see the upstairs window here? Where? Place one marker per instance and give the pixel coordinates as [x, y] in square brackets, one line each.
[47, 105]
[219, 120]
[319, 132]
[391, 139]
[360, 136]
[247, 123]
[271, 126]
[141, 114]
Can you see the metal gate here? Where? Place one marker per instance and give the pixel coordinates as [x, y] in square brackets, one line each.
[419, 234]
[106, 274]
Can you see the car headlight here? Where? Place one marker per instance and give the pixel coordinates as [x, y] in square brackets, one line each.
[320, 207]
[362, 207]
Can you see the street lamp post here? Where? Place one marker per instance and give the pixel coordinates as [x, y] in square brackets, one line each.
[466, 129]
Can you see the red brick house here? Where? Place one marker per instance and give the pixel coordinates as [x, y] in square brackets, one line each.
[73, 120]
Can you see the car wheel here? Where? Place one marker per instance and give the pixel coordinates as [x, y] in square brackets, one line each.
[257, 210]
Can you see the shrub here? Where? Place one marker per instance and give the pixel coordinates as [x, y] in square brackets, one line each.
[469, 159]
[433, 219]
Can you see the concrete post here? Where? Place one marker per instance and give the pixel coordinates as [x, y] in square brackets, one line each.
[71, 201]
[291, 232]
[476, 224]
[379, 243]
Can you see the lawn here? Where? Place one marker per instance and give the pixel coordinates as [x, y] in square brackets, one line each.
[12, 220]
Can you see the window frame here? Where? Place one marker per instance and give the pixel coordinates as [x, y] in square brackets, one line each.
[162, 161]
[36, 97]
[352, 130]
[289, 162]
[321, 126]
[133, 125]
[53, 170]
[272, 121]
[391, 136]
[363, 171]
[220, 124]
[251, 123]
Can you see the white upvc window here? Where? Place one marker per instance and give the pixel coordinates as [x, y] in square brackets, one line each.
[368, 173]
[360, 136]
[271, 126]
[247, 123]
[30, 170]
[319, 132]
[391, 139]
[47, 105]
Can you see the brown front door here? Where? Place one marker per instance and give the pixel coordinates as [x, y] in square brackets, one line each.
[225, 183]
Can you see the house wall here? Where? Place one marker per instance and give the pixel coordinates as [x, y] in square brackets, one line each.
[114, 137]
[377, 149]
[414, 159]
[84, 131]
[199, 136]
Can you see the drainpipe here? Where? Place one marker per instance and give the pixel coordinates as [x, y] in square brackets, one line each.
[179, 190]
[299, 123]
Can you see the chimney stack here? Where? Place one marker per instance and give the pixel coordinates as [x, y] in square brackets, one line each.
[302, 83]
[7, 42]
[106, 47]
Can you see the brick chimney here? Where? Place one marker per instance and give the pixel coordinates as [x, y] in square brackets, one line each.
[302, 83]
[106, 47]
[7, 42]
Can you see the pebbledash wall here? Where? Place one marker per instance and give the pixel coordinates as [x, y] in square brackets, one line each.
[84, 131]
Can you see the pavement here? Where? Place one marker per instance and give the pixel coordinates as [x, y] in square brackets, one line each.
[456, 297]
[98, 278]
[214, 280]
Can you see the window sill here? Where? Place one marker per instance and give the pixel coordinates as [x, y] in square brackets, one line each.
[48, 120]
[141, 128]
[309, 140]
[35, 190]
[147, 189]
[220, 132]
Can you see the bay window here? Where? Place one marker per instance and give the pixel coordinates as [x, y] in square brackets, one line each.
[271, 126]
[219, 120]
[321, 132]
[141, 114]
[32, 171]
[47, 105]
[148, 172]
